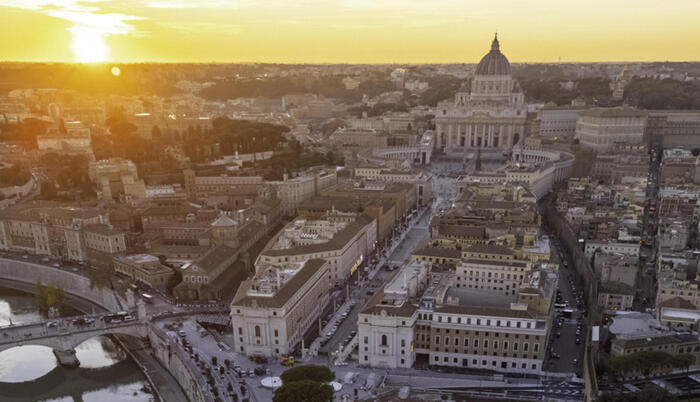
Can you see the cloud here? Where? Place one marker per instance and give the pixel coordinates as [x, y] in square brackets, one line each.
[84, 14]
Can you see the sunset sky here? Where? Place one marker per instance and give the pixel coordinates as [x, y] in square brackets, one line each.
[353, 31]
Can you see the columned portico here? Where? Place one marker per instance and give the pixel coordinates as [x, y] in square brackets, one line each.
[491, 115]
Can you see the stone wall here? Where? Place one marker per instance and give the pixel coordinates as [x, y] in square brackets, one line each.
[179, 365]
[70, 282]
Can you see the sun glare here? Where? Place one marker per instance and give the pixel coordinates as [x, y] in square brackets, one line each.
[116, 71]
[89, 45]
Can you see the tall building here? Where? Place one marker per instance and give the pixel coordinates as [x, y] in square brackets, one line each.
[483, 326]
[491, 115]
[272, 311]
[601, 129]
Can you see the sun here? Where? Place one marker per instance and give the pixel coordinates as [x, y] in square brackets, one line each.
[116, 71]
[89, 45]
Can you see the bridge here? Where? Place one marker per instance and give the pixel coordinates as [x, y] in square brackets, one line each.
[65, 334]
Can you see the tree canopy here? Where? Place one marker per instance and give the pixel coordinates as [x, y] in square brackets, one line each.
[650, 93]
[308, 372]
[305, 390]
[648, 361]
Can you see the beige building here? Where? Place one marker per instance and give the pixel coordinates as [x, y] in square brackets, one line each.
[342, 239]
[600, 129]
[116, 179]
[227, 192]
[143, 268]
[75, 141]
[293, 191]
[422, 181]
[419, 313]
[272, 311]
[80, 234]
[369, 138]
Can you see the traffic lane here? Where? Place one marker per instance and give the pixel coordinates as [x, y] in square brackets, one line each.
[565, 346]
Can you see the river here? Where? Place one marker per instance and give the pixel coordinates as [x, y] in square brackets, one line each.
[31, 373]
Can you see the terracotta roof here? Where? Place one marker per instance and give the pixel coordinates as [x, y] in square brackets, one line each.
[102, 229]
[488, 249]
[215, 257]
[438, 252]
[478, 232]
[483, 311]
[677, 302]
[612, 112]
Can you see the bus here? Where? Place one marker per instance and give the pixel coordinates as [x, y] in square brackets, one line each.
[147, 298]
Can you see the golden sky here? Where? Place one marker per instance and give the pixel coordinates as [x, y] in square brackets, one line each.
[352, 31]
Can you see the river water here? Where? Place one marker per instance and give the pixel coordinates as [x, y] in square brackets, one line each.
[31, 373]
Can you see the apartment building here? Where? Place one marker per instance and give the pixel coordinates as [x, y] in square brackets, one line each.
[81, 234]
[422, 181]
[116, 179]
[342, 239]
[457, 327]
[600, 129]
[294, 191]
[272, 311]
[143, 268]
[226, 192]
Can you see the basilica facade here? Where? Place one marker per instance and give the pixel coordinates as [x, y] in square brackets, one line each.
[491, 115]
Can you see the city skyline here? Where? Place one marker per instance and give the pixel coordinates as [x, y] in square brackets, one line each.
[405, 31]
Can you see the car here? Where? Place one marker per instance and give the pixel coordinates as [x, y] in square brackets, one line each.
[115, 321]
[129, 318]
[51, 324]
[56, 265]
[251, 373]
[25, 256]
[578, 341]
[558, 334]
[181, 333]
[574, 362]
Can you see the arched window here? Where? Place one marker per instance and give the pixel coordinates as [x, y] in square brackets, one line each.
[257, 330]
[384, 342]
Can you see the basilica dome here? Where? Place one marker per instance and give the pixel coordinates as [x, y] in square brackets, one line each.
[494, 63]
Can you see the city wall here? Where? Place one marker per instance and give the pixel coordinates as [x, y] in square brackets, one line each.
[179, 364]
[72, 283]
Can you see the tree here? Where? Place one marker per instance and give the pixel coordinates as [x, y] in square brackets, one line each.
[213, 360]
[308, 372]
[695, 151]
[49, 296]
[100, 278]
[304, 390]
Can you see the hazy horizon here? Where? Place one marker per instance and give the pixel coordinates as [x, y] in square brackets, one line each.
[347, 31]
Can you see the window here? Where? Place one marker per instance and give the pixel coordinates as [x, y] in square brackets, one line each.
[403, 342]
[240, 331]
[366, 340]
[277, 333]
[257, 330]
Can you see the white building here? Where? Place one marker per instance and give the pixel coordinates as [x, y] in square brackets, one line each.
[272, 311]
[600, 129]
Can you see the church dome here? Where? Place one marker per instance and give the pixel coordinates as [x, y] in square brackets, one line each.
[494, 63]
